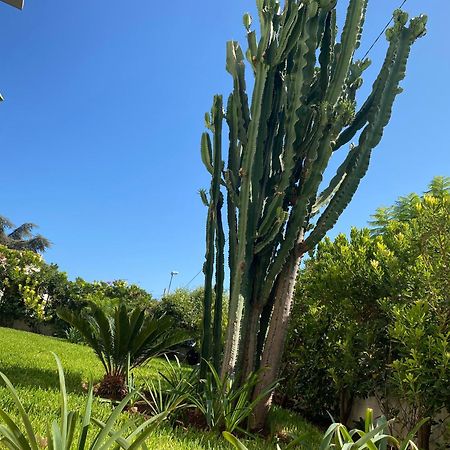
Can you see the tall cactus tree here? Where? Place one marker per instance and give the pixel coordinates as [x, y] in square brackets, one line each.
[302, 113]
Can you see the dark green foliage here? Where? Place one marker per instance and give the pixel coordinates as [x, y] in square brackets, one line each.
[185, 307]
[338, 345]
[110, 294]
[21, 238]
[125, 339]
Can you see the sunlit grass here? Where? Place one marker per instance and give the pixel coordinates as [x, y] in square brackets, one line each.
[26, 360]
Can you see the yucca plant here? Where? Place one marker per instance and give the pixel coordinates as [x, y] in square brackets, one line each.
[122, 341]
[225, 403]
[337, 437]
[71, 431]
[172, 389]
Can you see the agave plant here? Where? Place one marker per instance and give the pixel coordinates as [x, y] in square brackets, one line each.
[122, 341]
[172, 389]
[61, 435]
[337, 437]
[225, 403]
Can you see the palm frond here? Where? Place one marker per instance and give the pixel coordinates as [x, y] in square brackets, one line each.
[21, 238]
[24, 231]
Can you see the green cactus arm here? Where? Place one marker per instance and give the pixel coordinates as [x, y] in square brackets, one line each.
[204, 197]
[357, 124]
[306, 47]
[208, 269]
[341, 198]
[231, 179]
[274, 203]
[260, 157]
[294, 16]
[206, 152]
[267, 199]
[326, 49]
[312, 44]
[321, 148]
[234, 146]
[373, 132]
[213, 229]
[236, 67]
[247, 160]
[343, 170]
[220, 276]
[272, 233]
[297, 83]
[372, 100]
[349, 42]
[266, 10]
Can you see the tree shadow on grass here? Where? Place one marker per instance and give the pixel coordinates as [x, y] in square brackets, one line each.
[41, 378]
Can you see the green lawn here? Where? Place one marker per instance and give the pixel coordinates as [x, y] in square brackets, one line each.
[26, 360]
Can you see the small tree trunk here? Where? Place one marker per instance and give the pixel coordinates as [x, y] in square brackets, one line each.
[276, 336]
[345, 406]
[423, 436]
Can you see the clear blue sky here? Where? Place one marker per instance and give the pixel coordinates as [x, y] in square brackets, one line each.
[103, 111]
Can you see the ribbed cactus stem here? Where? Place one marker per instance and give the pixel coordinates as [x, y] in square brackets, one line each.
[303, 109]
[214, 259]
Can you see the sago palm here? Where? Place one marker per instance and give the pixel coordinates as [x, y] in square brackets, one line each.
[122, 341]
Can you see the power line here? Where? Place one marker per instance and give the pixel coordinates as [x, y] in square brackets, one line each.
[382, 31]
[199, 272]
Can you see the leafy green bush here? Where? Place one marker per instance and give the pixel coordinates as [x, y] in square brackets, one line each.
[31, 290]
[371, 316]
[29, 287]
[338, 337]
[110, 294]
[185, 307]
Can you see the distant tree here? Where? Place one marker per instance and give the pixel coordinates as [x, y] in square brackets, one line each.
[21, 238]
[406, 208]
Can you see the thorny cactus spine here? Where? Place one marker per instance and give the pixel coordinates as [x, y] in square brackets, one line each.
[302, 111]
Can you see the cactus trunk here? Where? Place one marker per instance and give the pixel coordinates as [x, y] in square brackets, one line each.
[302, 111]
[276, 337]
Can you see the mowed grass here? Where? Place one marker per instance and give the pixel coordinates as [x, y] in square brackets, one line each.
[26, 359]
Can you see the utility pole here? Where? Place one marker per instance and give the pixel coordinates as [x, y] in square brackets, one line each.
[16, 3]
[172, 274]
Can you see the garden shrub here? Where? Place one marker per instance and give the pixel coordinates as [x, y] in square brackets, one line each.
[186, 308]
[31, 290]
[371, 316]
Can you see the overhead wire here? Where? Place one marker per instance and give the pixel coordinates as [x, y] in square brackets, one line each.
[198, 273]
[382, 31]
